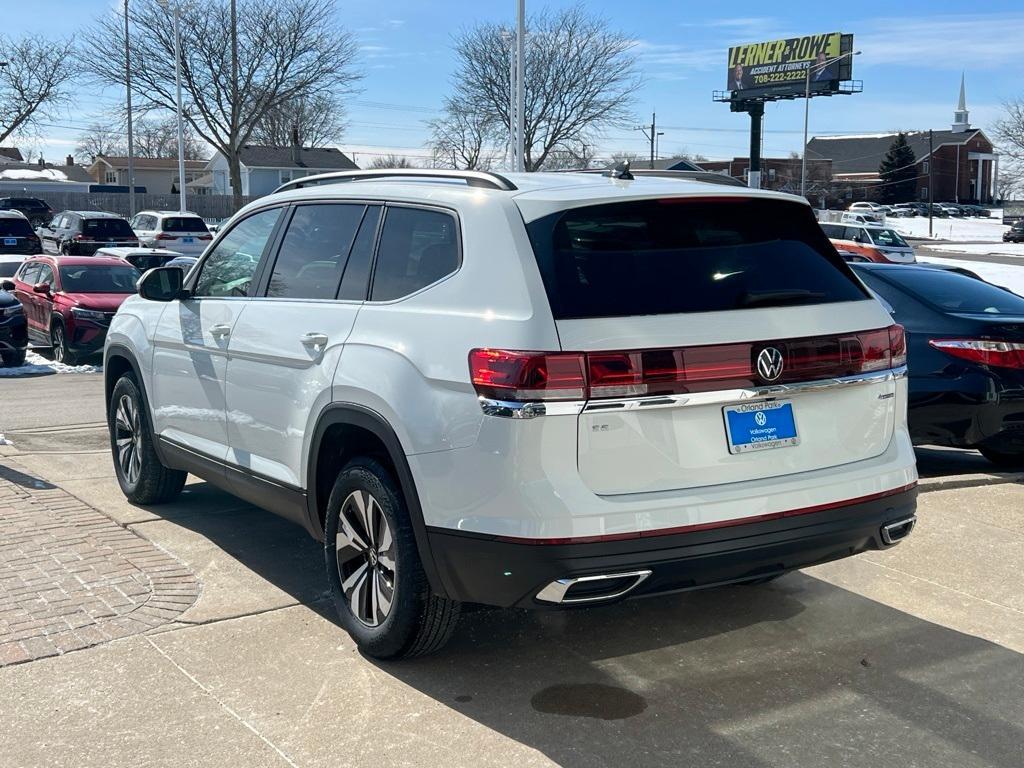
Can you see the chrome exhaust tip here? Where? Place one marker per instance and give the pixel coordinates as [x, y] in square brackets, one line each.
[894, 532]
[589, 588]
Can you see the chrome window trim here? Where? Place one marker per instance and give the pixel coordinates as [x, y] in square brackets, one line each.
[533, 409]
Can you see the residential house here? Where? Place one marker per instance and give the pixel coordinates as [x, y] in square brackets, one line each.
[158, 175]
[264, 168]
[20, 178]
[661, 164]
[11, 155]
[962, 164]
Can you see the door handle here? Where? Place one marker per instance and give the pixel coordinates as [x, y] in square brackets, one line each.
[314, 339]
[220, 331]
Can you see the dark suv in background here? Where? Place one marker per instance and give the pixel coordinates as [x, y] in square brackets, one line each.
[37, 211]
[17, 235]
[81, 233]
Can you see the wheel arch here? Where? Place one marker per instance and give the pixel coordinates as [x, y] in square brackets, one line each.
[366, 433]
[117, 361]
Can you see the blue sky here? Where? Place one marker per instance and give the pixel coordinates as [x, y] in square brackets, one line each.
[912, 57]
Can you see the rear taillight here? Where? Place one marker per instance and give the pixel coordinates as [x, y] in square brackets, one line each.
[1000, 354]
[508, 375]
[517, 376]
[205, 237]
[165, 236]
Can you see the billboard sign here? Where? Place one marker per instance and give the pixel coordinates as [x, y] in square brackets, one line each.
[778, 68]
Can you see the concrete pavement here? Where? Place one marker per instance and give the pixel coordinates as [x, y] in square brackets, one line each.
[910, 657]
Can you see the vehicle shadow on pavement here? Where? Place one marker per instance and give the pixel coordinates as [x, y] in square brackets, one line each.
[25, 481]
[795, 673]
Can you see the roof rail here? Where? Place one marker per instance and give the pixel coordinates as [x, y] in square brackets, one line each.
[484, 179]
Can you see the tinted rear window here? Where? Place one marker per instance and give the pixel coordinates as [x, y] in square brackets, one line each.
[15, 227]
[952, 292]
[674, 255]
[184, 224]
[107, 228]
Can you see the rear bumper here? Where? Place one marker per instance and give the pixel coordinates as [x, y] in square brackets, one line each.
[976, 410]
[499, 571]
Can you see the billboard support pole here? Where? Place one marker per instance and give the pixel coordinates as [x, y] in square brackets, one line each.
[756, 111]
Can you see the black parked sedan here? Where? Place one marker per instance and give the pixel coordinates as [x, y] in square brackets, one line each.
[13, 328]
[965, 356]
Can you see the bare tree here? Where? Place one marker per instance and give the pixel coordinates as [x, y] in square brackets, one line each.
[580, 78]
[319, 120]
[159, 138]
[287, 49]
[1009, 129]
[33, 80]
[391, 160]
[99, 139]
[569, 159]
[623, 156]
[460, 137]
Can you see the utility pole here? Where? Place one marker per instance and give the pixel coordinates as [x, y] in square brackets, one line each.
[651, 137]
[128, 105]
[520, 85]
[756, 112]
[931, 187]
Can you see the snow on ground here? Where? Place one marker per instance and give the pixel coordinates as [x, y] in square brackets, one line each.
[959, 230]
[1005, 249]
[37, 365]
[1006, 275]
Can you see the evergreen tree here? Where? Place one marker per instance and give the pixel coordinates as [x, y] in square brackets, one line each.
[898, 172]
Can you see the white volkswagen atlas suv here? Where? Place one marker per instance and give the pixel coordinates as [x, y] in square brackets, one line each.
[540, 390]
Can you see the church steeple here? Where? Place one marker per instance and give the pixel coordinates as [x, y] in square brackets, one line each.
[961, 117]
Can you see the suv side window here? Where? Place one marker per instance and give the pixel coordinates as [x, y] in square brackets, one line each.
[314, 251]
[45, 275]
[229, 269]
[417, 247]
[28, 273]
[854, 233]
[831, 230]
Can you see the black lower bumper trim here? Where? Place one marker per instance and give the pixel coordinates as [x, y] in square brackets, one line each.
[482, 569]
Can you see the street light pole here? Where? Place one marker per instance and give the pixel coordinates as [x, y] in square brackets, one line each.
[181, 119]
[807, 112]
[128, 105]
[520, 85]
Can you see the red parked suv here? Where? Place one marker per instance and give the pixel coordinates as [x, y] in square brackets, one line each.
[70, 300]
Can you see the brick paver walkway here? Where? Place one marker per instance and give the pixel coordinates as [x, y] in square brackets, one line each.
[70, 577]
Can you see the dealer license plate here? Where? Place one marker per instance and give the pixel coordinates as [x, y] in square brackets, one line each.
[10, 241]
[187, 240]
[760, 426]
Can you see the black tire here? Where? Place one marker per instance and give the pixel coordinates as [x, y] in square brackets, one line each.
[143, 479]
[1004, 459]
[14, 359]
[59, 345]
[416, 621]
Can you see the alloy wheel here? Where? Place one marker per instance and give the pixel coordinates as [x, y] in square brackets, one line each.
[127, 436]
[58, 343]
[366, 558]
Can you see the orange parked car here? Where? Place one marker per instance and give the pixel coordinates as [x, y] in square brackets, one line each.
[851, 251]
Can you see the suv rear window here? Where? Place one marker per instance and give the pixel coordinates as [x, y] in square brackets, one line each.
[185, 224]
[887, 238]
[107, 228]
[675, 255]
[15, 227]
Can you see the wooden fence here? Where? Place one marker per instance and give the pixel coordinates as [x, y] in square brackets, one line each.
[210, 207]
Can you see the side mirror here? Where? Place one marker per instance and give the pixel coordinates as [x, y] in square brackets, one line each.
[161, 284]
[7, 285]
[43, 288]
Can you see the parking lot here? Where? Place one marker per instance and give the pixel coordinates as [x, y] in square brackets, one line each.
[908, 657]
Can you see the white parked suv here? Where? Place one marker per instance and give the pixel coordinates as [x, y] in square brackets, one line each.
[541, 390]
[184, 233]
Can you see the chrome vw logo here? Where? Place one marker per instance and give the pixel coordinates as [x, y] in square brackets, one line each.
[769, 364]
[760, 418]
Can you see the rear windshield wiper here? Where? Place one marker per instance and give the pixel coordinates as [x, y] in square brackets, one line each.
[780, 297]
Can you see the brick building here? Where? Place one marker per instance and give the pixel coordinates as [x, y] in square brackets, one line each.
[778, 173]
[963, 166]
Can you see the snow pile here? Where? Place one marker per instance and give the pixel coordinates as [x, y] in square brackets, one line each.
[25, 174]
[37, 365]
[955, 229]
[1006, 275]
